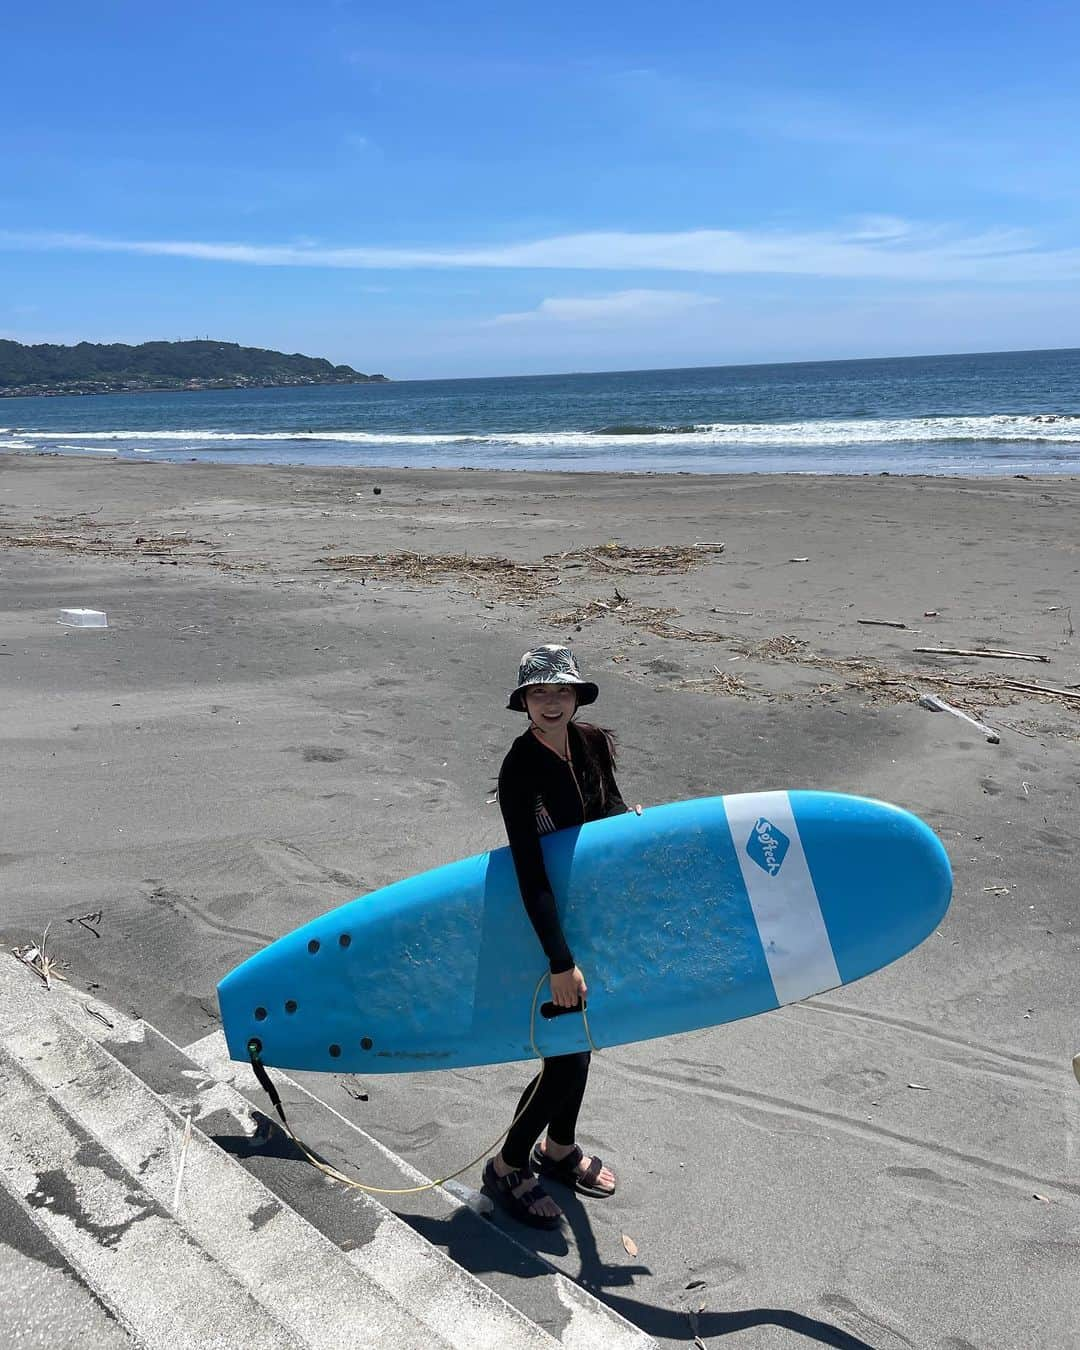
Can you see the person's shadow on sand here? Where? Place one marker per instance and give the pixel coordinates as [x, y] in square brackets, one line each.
[478, 1245]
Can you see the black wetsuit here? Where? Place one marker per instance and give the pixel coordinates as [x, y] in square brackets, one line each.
[539, 793]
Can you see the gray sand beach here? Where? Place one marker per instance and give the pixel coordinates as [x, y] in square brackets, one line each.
[300, 697]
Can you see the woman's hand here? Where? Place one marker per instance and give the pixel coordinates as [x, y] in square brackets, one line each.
[568, 988]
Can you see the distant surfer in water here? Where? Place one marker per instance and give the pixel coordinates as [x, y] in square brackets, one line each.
[558, 773]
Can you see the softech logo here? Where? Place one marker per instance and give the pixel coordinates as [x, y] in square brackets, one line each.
[768, 846]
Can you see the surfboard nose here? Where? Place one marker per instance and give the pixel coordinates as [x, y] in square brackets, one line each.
[883, 877]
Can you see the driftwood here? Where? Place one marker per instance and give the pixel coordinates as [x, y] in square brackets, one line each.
[1048, 690]
[670, 630]
[963, 651]
[936, 704]
[882, 623]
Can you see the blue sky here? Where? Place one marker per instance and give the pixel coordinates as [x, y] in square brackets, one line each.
[478, 189]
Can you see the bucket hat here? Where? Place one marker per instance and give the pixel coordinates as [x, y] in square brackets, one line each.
[550, 664]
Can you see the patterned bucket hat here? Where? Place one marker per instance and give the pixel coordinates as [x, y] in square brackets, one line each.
[550, 665]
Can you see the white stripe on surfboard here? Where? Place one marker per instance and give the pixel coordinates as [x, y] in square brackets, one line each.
[783, 897]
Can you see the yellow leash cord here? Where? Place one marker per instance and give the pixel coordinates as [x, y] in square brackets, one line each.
[333, 1172]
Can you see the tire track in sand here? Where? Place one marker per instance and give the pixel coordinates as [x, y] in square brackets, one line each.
[817, 1006]
[768, 1105]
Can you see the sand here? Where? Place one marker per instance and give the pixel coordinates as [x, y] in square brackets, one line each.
[260, 735]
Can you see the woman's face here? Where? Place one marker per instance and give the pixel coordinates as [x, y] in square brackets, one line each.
[550, 706]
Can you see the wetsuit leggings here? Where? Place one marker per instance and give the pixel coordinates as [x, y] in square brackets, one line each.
[555, 1105]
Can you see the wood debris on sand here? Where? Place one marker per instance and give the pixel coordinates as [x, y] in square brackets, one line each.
[166, 544]
[84, 536]
[654, 561]
[513, 579]
[643, 617]
[597, 609]
[729, 683]
[35, 955]
[880, 683]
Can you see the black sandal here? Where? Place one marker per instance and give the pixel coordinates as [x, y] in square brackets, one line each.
[566, 1171]
[519, 1206]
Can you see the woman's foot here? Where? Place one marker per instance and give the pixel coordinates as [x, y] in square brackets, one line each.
[520, 1192]
[567, 1163]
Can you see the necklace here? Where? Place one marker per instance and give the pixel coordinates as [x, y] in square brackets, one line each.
[566, 758]
[563, 754]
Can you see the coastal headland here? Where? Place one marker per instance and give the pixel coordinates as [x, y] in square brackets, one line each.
[50, 370]
[300, 697]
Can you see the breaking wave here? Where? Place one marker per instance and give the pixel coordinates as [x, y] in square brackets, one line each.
[1035, 429]
[989, 443]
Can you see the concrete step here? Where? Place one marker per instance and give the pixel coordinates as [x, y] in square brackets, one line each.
[162, 1287]
[43, 1300]
[394, 1290]
[514, 1295]
[574, 1316]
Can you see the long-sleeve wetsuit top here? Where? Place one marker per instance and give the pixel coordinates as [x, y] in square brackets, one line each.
[539, 793]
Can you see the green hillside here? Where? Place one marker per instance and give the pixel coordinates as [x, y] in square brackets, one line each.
[93, 367]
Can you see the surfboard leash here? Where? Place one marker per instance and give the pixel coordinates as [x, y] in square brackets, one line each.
[336, 1175]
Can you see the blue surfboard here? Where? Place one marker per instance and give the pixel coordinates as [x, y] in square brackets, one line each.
[690, 915]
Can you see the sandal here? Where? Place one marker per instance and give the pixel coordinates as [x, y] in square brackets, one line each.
[566, 1171]
[521, 1207]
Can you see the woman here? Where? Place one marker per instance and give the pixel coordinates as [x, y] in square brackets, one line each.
[556, 774]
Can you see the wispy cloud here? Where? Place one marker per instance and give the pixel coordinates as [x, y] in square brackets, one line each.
[1012, 146]
[615, 308]
[873, 248]
[765, 111]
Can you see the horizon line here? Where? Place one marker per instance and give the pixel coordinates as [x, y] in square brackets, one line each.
[734, 365]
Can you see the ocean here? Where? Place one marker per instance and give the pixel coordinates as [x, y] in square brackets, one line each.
[999, 413]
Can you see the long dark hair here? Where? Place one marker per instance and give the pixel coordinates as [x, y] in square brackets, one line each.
[594, 737]
[592, 732]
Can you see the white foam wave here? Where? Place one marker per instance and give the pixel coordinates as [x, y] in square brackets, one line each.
[1059, 429]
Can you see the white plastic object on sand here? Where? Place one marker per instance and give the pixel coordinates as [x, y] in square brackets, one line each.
[83, 618]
